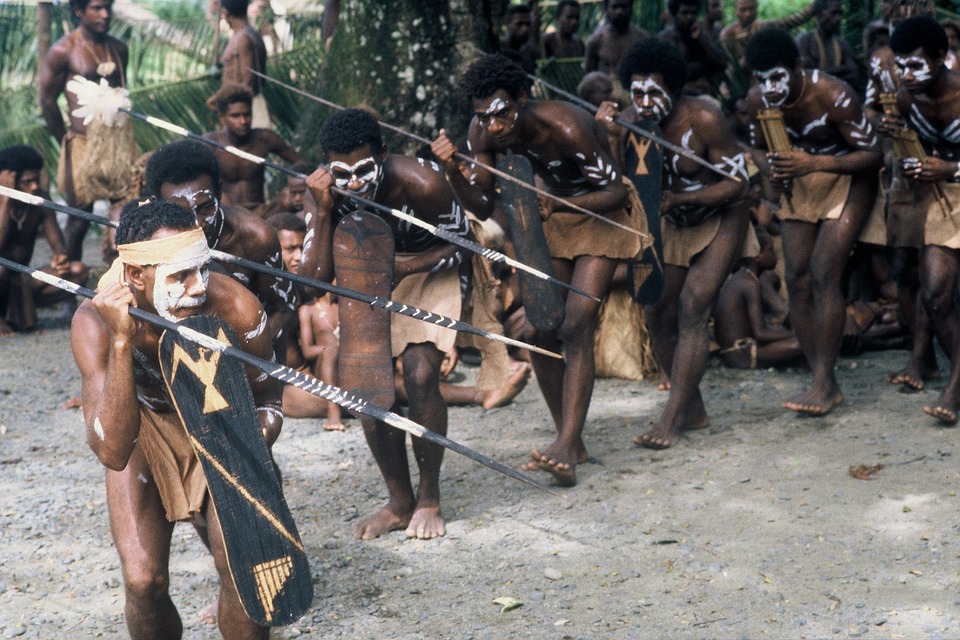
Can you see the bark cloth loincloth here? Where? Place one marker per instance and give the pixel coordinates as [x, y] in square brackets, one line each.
[682, 244]
[814, 197]
[173, 463]
[438, 292]
[917, 218]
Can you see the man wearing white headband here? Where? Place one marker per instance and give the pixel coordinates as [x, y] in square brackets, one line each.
[154, 478]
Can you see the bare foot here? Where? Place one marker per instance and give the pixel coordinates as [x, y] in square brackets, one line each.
[426, 523]
[661, 436]
[209, 613]
[383, 521]
[333, 425]
[813, 403]
[912, 376]
[514, 385]
[942, 413]
[6, 330]
[564, 473]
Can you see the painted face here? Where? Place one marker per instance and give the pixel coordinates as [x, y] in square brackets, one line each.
[359, 171]
[203, 198]
[650, 97]
[180, 286]
[774, 85]
[291, 248]
[499, 115]
[915, 70]
[237, 119]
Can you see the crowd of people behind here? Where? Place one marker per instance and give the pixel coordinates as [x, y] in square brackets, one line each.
[799, 217]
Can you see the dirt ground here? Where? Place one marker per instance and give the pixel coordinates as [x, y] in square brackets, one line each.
[751, 528]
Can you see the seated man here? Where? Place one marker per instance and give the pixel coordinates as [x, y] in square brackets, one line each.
[20, 223]
[153, 476]
[290, 197]
[746, 342]
[243, 180]
[313, 343]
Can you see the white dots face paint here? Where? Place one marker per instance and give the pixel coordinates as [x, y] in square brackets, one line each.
[497, 104]
[774, 85]
[650, 99]
[98, 429]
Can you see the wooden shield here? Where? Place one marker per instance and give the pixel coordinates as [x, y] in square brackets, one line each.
[363, 261]
[542, 300]
[643, 163]
[213, 398]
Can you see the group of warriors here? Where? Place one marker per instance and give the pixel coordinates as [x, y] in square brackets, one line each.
[800, 167]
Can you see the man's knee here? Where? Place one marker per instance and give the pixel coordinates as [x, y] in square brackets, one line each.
[577, 328]
[421, 370]
[146, 586]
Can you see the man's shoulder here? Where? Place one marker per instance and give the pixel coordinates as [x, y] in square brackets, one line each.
[415, 177]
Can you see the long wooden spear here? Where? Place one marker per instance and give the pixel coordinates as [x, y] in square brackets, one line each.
[469, 245]
[640, 131]
[466, 158]
[288, 375]
[373, 301]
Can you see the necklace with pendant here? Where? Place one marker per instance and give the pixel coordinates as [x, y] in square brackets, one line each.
[105, 68]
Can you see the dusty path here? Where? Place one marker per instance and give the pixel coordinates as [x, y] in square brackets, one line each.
[752, 528]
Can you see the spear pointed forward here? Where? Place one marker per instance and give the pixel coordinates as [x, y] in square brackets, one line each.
[461, 156]
[469, 245]
[374, 301]
[288, 375]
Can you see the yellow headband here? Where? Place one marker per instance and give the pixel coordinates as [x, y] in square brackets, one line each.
[176, 248]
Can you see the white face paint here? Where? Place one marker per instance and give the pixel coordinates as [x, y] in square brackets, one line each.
[497, 104]
[170, 286]
[774, 85]
[366, 171]
[913, 69]
[650, 99]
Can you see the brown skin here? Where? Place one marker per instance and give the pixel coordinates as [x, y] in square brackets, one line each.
[815, 253]
[315, 348]
[104, 338]
[78, 53]
[545, 132]
[678, 320]
[243, 234]
[612, 38]
[20, 224]
[564, 42]
[244, 51]
[938, 101]
[243, 181]
[423, 190]
[739, 313]
[828, 28]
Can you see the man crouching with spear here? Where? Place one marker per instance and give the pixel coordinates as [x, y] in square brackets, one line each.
[154, 478]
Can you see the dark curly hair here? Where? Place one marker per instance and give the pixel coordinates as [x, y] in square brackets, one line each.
[653, 55]
[180, 162]
[491, 72]
[231, 93]
[287, 222]
[920, 32]
[140, 223]
[770, 48]
[20, 158]
[236, 8]
[348, 130]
